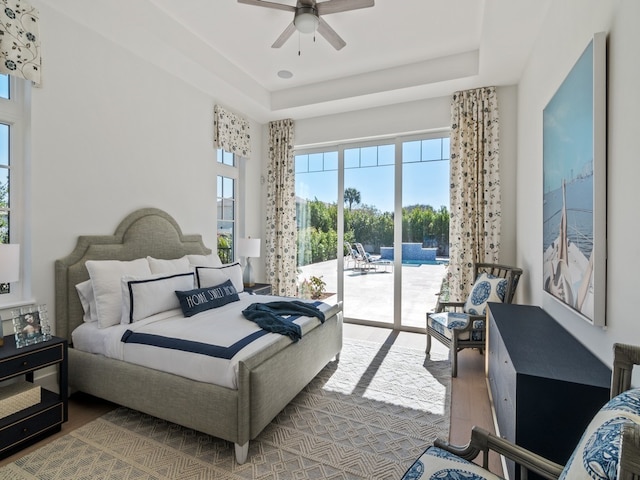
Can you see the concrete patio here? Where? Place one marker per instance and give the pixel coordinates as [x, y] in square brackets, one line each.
[368, 294]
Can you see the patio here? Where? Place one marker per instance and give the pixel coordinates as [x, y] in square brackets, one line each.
[368, 295]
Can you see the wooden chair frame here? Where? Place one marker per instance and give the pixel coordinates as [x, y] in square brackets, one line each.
[455, 344]
[482, 442]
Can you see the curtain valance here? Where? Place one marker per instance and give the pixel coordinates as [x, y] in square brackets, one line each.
[231, 132]
[20, 40]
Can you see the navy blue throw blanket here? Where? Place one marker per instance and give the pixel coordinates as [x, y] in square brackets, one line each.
[269, 316]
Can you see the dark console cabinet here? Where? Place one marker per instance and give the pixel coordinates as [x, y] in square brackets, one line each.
[545, 385]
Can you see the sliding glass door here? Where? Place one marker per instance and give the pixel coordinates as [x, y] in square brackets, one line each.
[373, 227]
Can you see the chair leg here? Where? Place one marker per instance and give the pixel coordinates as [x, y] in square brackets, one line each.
[454, 362]
[428, 343]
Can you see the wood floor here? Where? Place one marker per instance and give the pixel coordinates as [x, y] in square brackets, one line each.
[469, 398]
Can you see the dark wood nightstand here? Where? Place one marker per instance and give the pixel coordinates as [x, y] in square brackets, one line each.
[30, 425]
[259, 289]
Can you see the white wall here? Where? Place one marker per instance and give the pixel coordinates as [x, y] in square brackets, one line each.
[567, 30]
[427, 115]
[112, 133]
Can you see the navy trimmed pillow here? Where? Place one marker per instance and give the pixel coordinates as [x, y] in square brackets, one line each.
[201, 299]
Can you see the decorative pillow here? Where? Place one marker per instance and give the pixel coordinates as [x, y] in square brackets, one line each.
[201, 299]
[487, 288]
[105, 280]
[211, 260]
[176, 265]
[88, 301]
[597, 455]
[146, 296]
[210, 276]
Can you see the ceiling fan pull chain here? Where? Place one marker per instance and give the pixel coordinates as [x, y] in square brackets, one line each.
[298, 43]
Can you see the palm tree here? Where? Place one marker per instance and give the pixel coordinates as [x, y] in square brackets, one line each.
[351, 195]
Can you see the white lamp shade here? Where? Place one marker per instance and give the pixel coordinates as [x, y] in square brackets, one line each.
[9, 262]
[249, 247]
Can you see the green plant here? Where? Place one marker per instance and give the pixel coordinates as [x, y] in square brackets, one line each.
[314, 287]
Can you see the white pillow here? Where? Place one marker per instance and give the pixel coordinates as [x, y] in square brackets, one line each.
[176, 265]
[88, 301]
[211, 260]
[487, 288]
[212, 276]
[148, 295]
[105, 280]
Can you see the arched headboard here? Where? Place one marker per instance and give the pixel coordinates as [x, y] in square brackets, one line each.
[145, 232]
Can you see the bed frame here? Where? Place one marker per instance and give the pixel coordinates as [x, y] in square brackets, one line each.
[267, 381]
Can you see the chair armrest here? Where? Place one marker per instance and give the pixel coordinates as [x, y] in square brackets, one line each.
[442, 306]
[483, 441]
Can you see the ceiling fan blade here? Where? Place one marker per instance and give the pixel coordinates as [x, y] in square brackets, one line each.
[284, 36]
[262, 3]
[335, 6]
[330, 34]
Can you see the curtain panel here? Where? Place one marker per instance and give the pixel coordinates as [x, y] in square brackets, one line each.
[231, 132]
[20, 40]
[282, 230]
[475, 217]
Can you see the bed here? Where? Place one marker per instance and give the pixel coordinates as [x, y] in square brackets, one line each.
[267, 380]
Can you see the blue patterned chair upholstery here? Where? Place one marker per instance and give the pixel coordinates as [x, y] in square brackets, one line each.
[460, 325]
[608, 450]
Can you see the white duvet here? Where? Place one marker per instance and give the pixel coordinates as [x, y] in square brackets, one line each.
[222, 326]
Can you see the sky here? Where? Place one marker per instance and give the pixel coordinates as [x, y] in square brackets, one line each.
[370, 171]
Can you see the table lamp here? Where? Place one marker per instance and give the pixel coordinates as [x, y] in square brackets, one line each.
[248, 248]
[9, 268]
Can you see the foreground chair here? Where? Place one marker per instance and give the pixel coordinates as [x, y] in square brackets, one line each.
[609, 448]
[460, 325]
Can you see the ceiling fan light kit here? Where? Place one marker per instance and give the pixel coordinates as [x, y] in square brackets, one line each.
[307, 17]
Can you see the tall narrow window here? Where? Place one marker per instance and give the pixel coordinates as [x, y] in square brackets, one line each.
[11, 160]
[226, 209]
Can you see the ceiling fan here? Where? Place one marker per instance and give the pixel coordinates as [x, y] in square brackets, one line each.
[307, 17]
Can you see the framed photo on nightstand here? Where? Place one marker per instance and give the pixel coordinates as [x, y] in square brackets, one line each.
[30, 325]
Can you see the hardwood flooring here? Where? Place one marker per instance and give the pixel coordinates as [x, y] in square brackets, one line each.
[469, 398]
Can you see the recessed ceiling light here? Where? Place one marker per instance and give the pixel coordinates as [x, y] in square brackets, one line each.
[285, 74]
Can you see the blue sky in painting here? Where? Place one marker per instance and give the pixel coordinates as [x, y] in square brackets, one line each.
[568, 126]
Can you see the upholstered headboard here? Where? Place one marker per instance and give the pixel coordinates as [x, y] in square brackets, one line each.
[145, 232]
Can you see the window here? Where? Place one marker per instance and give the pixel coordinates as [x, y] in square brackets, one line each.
[12, 193]
[227, 211]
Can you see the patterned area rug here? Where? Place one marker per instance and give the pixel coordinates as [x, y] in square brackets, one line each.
[368, 416]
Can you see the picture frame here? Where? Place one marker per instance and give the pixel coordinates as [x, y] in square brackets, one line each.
[574, 188]
[30, 325]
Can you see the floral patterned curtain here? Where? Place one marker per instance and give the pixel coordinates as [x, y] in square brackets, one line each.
[282, 231]
[474, 231]
[19, 40]
[231, 132]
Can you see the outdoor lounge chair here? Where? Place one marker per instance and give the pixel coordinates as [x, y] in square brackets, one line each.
[351, 256]
[608, 449]
[460, 325]
[368, 261]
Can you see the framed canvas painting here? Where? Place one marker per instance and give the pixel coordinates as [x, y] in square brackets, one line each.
[574, 183]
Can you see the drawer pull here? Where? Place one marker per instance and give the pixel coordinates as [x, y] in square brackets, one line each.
[25, 430]
[25, 363]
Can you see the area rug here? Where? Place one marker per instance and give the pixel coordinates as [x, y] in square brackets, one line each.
[368, 416]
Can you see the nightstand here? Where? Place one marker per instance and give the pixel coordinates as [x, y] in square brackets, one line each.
[259, 289]
[33, 423]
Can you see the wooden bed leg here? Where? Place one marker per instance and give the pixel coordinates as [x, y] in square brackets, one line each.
[242, 452]
[337, 357]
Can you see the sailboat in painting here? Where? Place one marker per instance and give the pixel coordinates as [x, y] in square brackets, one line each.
[568, 273]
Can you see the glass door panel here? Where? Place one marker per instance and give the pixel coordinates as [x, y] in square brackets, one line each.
[368, 221]
[317, 217]
[425, 226]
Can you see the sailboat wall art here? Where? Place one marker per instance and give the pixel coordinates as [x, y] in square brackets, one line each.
[574, 183]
